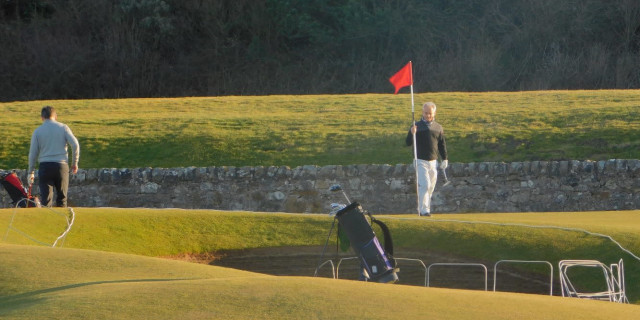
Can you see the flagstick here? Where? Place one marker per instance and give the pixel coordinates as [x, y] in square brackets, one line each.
[399, 80]
[415, 157]
[415, 148]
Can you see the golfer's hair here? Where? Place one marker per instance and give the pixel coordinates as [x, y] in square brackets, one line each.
[47, 112]
[429, 104]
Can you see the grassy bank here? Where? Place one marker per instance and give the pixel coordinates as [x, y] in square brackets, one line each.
[333, 129]
[86, 284]
[478, 237]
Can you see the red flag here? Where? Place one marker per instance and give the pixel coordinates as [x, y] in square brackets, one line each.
[402, 78]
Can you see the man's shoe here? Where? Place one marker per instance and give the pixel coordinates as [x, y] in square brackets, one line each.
[425, 214]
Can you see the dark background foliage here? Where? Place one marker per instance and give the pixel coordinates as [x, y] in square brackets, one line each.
[161, 48]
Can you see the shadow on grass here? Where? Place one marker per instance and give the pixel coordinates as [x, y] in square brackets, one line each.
[27, 299]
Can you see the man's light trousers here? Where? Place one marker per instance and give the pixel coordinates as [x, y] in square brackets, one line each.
[427, 177]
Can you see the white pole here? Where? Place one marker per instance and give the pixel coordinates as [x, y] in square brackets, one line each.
[415, 148]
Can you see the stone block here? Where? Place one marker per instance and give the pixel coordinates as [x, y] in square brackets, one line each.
[456, 169]
[206, 186]
[396, 184]
[633, 166]
[544, 167]
[272, 171]
[244, 172]
[229, 172]
[516, 168]
[149, 188]
[483, 168]
[589, 166]
[402, 169]
[326, 172]
[324, 184]
[535, 168]
[498, 169]
[601, 166]
[563, 168]
[91, 175]
[259, 172]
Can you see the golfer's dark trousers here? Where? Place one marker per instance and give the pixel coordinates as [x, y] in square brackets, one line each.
[53, 175]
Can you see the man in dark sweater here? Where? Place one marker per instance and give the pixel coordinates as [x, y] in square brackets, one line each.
[430, 143]
[49, 148]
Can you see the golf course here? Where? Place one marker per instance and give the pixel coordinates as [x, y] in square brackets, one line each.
[125, 264]
[141, 263]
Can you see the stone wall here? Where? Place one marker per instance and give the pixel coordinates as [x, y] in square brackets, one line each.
[475, 187]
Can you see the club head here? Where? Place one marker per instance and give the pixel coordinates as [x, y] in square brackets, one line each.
[338, 206]
[335, 187]
[446, 183]
[335, 207]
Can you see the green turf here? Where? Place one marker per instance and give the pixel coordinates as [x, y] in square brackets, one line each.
[101, 282]
[155, 232]
[333, 129]
[162, 232]
[86, 284]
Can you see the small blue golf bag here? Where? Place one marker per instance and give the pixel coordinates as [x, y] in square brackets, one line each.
[377, 262]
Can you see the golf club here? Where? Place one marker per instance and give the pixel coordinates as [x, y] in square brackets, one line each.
[335, 207]
[446, 180]
[337, 187]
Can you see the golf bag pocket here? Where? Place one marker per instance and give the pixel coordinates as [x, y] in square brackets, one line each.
[374, 259]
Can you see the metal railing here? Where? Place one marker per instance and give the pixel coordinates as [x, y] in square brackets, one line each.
[614, 280]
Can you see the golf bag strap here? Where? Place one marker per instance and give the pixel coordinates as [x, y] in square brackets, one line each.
[388, 243]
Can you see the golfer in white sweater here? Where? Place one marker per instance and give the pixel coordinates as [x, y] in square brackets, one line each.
[49, 148]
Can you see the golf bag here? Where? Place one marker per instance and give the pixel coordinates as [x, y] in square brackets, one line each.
[376, 261]
[20, 196]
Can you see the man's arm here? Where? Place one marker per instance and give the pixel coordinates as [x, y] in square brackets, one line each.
[33, 153]
[75, 149]
[412, 131]
[409, 139]
[33, 157]
[442, 146]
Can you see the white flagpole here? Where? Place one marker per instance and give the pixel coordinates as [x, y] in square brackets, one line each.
[415, 148]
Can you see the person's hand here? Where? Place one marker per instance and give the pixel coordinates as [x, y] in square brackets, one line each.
[74, 169]
[413, 129]
[444, 164]
[32, 178]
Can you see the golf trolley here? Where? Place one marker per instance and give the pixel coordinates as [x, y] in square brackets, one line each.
[376, 262]
[21, 198]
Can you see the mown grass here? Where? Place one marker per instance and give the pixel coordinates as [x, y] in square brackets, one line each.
[333, 129]
[45, 283]
[154, 232]
[478, 237]
[87, 284]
